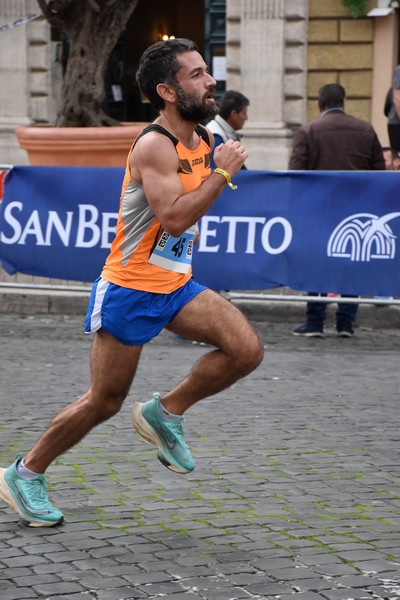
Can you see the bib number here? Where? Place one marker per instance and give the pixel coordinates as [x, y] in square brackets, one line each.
[174, 254]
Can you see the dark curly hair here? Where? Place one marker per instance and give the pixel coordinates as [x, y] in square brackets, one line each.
[158, 64]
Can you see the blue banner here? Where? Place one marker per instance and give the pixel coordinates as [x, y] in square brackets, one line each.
[59, 222]
[312, 231]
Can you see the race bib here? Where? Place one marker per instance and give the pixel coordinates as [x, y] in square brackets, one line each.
[174, 253]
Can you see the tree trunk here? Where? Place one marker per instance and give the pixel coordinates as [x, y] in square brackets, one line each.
[92, 28]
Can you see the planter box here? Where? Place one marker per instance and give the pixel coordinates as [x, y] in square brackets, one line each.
[78, 146]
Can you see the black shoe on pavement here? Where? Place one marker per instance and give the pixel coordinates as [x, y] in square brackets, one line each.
[345, 330]
[308, 330]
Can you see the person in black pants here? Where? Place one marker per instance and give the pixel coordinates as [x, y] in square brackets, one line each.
[334, 142]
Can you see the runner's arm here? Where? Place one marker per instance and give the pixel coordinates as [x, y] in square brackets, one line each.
[154, 164]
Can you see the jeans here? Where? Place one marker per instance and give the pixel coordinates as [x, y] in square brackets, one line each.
[345, 314]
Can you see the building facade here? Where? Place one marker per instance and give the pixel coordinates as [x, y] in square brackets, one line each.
[277, 52]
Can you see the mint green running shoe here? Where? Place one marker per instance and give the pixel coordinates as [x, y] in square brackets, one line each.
[166, 434]
[28, 497]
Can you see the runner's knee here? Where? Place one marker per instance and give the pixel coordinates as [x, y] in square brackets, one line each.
[108, 406]
[250, 355]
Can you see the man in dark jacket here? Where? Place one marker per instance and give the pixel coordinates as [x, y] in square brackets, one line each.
[334, 142]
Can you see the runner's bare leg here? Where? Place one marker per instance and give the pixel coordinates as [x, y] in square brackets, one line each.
[212, 319]
[113, 366]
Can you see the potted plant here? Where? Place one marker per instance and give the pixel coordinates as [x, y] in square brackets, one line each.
[357, 8]
[92, 29]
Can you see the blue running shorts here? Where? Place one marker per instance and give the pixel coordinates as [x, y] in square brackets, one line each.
[131, 316]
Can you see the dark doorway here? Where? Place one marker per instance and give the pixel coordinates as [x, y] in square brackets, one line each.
[149, 22]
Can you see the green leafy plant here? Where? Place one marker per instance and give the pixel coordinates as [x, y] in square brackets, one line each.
[357, 8]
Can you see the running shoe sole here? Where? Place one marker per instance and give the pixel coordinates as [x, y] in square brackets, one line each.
[149, 434]
[8, 498]
[316, 334]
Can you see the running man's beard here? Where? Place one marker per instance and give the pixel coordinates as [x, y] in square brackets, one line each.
[191, 109]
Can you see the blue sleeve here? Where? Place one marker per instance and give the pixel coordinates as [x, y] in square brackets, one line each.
[218, 140]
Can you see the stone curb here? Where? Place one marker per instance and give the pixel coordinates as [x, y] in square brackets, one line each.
[39, 302]
[370, 316]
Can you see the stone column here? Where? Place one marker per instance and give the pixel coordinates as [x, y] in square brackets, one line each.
[30, 77]
[258, 56]
[13, 81]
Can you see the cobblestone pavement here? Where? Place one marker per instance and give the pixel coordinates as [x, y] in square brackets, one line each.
[296, 493]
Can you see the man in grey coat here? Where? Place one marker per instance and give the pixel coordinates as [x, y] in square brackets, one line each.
[230, 119]
[334, 142]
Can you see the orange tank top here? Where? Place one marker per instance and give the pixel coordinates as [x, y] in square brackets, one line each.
[143, 256]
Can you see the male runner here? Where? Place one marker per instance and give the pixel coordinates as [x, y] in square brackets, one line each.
[147, 284]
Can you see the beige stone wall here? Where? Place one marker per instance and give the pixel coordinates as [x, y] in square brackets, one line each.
[13, 80]
[291, 50]
[340, 50]
[266, 48]
[29, 76]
